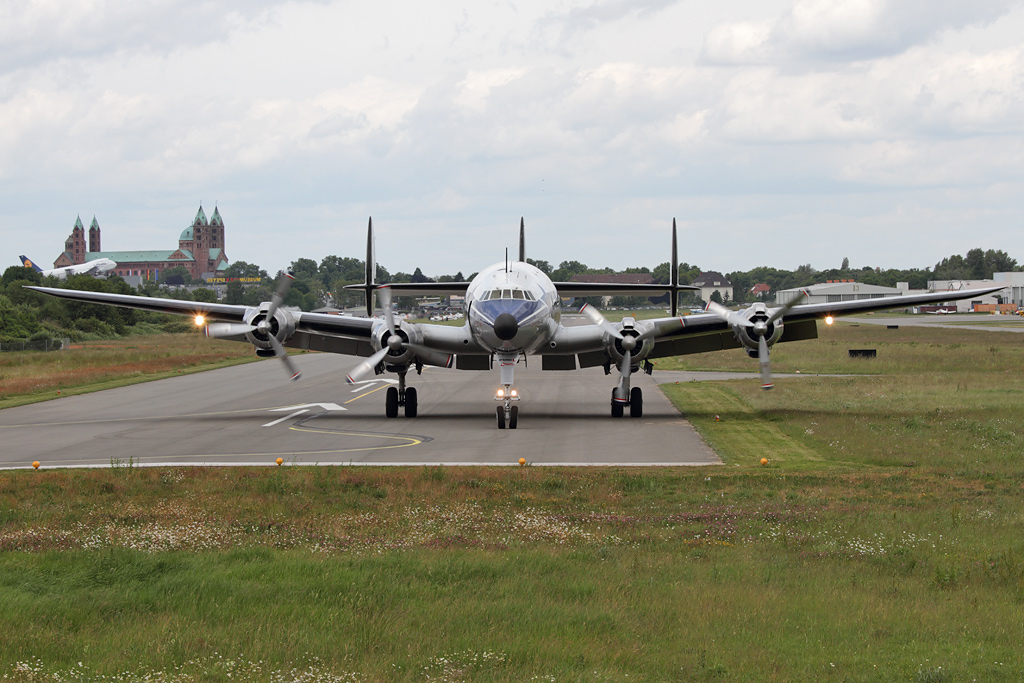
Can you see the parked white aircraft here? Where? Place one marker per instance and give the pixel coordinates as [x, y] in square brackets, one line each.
[97, 267]
[512, 311]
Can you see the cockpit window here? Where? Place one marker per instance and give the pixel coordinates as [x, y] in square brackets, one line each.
[520, 294]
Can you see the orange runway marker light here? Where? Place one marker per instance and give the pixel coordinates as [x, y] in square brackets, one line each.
[36, 464]
[522, 461]
[279, 461]
[764, 461]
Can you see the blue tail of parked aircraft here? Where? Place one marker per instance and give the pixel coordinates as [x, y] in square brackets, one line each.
[28, 263]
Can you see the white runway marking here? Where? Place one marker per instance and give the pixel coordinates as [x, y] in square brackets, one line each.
[288, 417]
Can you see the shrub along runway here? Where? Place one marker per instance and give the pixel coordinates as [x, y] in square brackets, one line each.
[250, 414]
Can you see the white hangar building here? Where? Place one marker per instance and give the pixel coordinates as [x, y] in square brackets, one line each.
[834, 291]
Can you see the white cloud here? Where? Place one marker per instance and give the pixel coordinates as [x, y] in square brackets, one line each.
[37, 31]
[846, 30]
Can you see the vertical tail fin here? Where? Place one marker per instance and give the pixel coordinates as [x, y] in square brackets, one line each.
[370, 274]
[27, 262]
[522, 240]
[673, 273]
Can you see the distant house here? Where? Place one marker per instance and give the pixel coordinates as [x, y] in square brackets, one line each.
[761, 291]
[711, 282]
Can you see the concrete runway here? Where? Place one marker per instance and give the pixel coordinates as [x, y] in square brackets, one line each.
[251, 414]
[953, 321]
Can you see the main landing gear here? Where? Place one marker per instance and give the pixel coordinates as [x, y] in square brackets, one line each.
[400, 396]
[635, 403]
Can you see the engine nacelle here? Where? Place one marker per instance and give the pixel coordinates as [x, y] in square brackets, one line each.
[402, 355]
[282, 326]
[629, 328]
[748, 336]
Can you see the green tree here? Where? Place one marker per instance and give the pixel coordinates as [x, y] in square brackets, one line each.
[304, 268]
[170, 275]
[235, 293]
[543, 266]
[566, 269]
[243, 269]
[205, 295]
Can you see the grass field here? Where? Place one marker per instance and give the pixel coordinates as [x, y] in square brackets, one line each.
[32, 376]
[882, 542]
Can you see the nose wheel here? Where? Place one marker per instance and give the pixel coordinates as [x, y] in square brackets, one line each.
[509, 419]
[507, 414]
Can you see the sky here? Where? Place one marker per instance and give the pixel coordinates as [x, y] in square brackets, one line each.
[776, 132]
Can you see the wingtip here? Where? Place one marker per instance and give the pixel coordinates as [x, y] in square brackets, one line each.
[296, 376]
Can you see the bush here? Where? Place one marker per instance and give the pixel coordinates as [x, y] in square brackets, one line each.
[95, 328]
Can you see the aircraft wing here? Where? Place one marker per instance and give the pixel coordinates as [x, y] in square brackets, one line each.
[707, 332]
[315, 331]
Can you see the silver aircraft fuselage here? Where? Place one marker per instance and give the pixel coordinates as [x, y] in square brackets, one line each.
[512, 308]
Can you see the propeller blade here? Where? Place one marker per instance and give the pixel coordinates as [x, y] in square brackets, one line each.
[385, 304]
[598, 319]
[221, 330]
[279, 351]
[627, 362]
[367, 366]
[284, 283]
[779, 312]
[719, 310]
[762, 359]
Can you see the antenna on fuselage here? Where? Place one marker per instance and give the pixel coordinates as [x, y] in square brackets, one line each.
[506, 259]
[522, 240]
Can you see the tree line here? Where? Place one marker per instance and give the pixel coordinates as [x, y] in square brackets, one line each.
[27, 314]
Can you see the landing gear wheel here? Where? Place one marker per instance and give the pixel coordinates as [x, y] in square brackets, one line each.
[500, 412]
[514, 418]
[410, 402]
[616, 406]
[636, 402]
[391, 402]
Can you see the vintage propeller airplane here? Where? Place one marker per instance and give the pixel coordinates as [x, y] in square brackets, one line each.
[512, 310]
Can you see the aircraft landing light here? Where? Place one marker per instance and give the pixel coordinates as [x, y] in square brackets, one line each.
[829, 320]
[200, 320]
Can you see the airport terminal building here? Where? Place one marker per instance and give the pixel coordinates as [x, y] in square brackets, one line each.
[200, 250]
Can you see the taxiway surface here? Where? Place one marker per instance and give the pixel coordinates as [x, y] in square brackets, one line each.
[251, 414]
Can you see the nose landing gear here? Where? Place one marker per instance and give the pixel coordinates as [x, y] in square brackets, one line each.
[507, 414]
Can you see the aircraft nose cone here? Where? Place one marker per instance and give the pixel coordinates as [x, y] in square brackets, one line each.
[505, 326]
